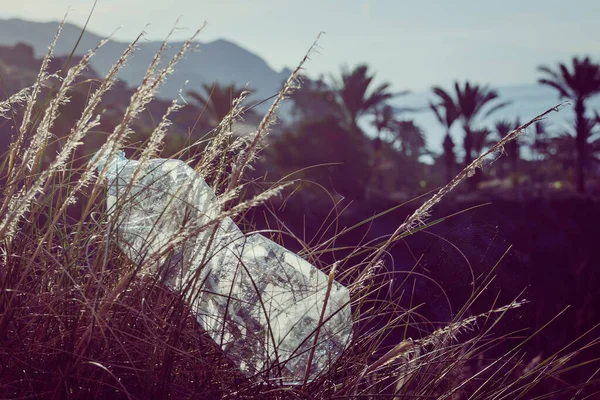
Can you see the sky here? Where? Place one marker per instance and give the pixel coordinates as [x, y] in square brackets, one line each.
[412, 44]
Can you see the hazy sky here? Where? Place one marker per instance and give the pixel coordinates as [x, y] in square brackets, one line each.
[413, 44]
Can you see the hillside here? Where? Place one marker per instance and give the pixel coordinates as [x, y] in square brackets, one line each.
[19, 67]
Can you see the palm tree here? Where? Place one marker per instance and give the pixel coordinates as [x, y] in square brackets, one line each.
[578, 84]
[481, 139]
[409, 137]
[355, 97]
[595, 141]
[217, 99]
[447, 118]
[513, 148]
[449, 157]
[315, 100]
[384, 119]
[538, 143]
[470, 101]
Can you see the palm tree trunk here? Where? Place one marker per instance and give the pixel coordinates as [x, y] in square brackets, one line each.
[468, 146]
[581, 129]
[449, 156]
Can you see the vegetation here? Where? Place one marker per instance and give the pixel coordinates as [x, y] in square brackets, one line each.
[447, 112]
[470, 103]
[78, 319]
[354, 95]
[579, 84]
[217, 100]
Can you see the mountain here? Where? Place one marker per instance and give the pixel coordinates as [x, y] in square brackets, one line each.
[219, 60]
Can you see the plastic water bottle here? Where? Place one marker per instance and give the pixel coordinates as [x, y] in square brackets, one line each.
[260, 302]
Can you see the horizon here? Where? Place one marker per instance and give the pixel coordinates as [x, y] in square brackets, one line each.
[502, 52]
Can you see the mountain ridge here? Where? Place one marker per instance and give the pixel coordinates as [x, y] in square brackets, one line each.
[219, 60]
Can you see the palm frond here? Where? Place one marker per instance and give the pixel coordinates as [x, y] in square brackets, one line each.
[496, 108]
[564, 93]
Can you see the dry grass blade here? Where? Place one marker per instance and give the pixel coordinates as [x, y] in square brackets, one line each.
[143, 95]
[219, 145]
[19, 202]
[13, 100]
[321, 320]
[158, 135]
[417, 218]
[441, 336]
[17, 145]
[247, 155]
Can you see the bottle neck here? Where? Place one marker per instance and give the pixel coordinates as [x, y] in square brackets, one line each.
[114, 163]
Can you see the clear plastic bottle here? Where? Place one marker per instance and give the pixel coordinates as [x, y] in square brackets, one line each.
[260, 302]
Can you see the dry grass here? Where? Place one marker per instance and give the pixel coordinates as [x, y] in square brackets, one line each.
[80, 320]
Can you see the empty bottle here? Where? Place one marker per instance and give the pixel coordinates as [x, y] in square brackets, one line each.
[260, 302]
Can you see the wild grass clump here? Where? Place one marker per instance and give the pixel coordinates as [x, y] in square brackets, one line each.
[78, 319]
